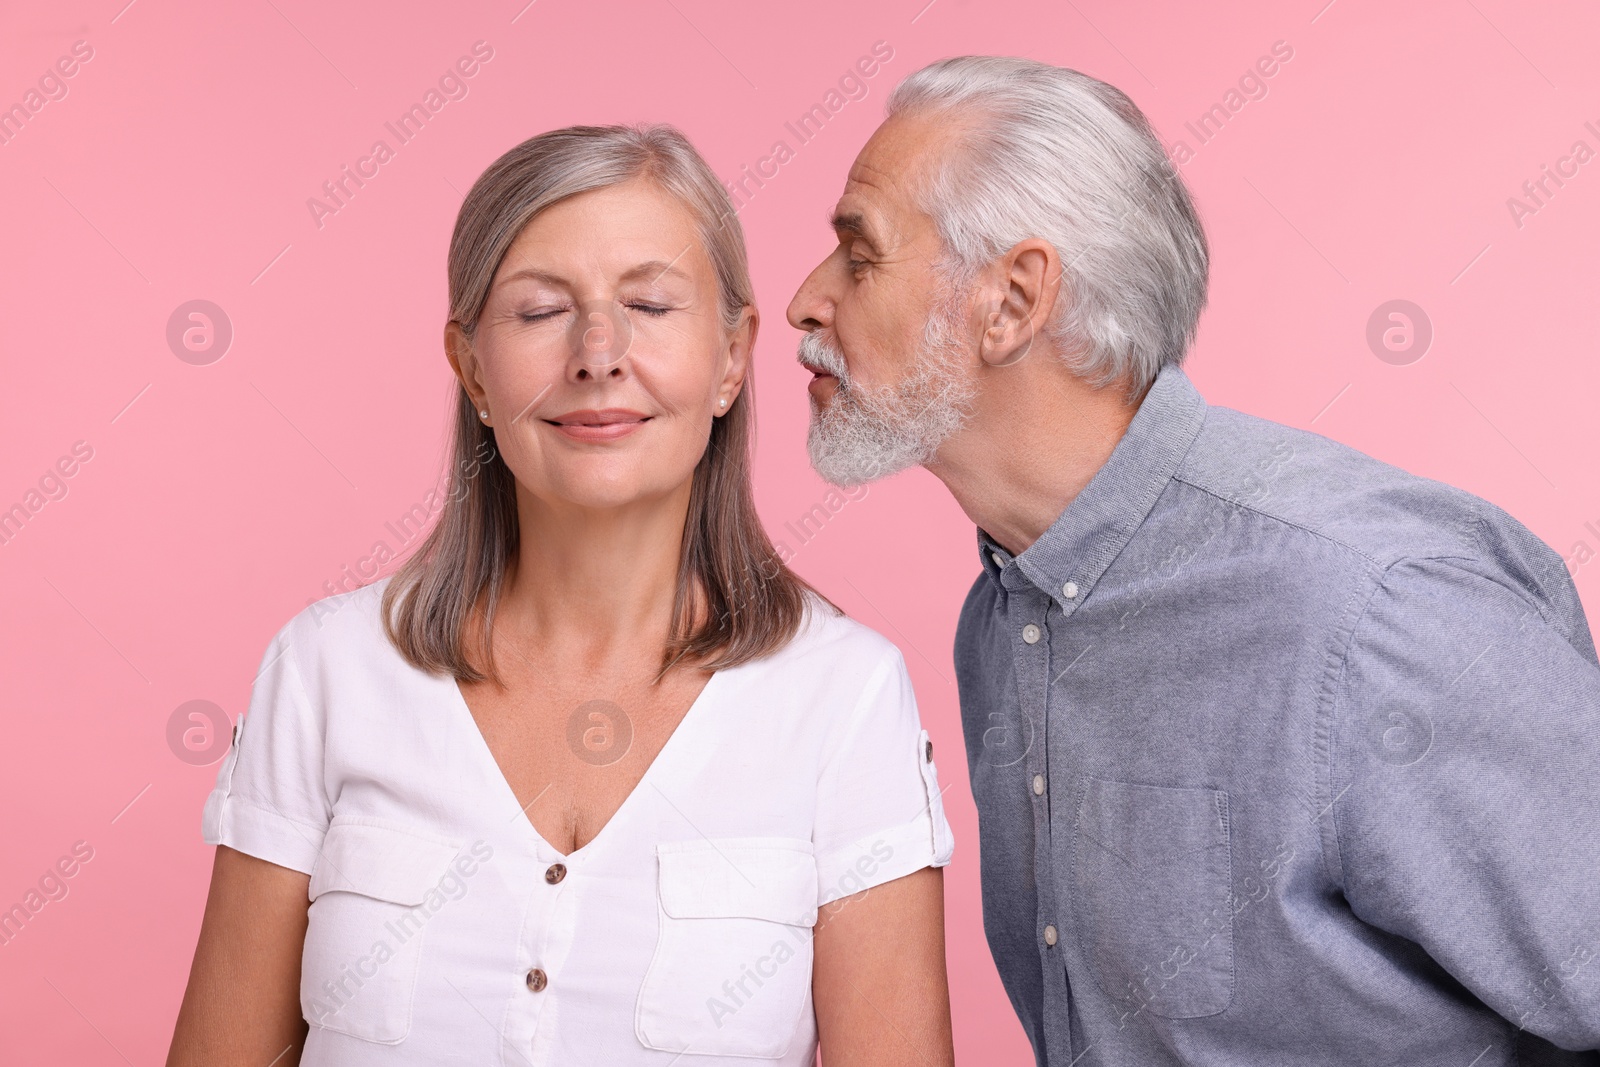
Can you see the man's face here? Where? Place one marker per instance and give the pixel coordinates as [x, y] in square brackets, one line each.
[887, 344]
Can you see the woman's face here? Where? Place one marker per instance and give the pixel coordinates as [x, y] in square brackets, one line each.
[600, 354]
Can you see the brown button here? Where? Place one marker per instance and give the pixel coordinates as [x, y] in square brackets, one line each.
[537, 980]
[927, 752]
[555, 873]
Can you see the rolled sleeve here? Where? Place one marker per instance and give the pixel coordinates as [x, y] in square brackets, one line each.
[1465, 792]
[269, 800]
[880, 814]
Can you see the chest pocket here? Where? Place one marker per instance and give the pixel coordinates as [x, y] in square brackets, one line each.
[1152, 906]
[373, 891]
[731, 973]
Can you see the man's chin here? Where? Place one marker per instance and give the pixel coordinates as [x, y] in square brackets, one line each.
[846, 470]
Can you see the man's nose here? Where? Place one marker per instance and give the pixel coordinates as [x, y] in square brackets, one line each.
[810, 309]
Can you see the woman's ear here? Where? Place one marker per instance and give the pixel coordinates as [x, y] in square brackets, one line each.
[737, 352]
[1027, 286]
[458, 350]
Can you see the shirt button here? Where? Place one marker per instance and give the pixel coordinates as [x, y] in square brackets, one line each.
[1030, 634]
[1050, 936]
[927, 752]
[999, 560]
[555, 872]
[1038, 785]
[537, 980]
[1070, 590]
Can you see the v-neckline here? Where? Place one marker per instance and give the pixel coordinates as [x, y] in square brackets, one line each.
[464, 710]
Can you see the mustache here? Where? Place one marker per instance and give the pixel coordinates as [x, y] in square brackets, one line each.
[818, 352]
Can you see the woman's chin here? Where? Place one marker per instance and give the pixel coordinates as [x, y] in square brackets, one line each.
[596, 490]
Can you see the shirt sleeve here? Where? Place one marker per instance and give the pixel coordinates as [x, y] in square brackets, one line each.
[1465, 791]
[269, 800]
[879, 813]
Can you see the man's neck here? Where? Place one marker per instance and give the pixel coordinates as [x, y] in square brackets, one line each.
[1036, 437]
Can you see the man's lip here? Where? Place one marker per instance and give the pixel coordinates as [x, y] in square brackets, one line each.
[598, 417]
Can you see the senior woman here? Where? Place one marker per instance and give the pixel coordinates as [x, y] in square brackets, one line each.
[593, 777]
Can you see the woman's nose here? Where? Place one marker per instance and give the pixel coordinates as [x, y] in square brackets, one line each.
[598, 339]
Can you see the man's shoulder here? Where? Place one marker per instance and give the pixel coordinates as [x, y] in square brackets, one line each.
[1372, 514]
[1329, 490]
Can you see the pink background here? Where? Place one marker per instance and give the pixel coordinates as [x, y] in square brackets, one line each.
[220, 498]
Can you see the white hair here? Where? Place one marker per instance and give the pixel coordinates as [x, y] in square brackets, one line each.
[1046, 152]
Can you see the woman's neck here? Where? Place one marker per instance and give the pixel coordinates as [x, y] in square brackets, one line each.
[595, 587]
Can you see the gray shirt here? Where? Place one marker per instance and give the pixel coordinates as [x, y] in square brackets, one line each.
[1284, 756]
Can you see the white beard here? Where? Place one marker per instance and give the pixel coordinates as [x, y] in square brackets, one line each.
[863, 435]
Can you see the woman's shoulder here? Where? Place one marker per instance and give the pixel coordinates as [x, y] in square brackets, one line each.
[347, 625]
[828, 638]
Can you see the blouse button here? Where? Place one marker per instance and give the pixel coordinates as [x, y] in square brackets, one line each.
[537, 980]
[1050, 936]
[555, 872]
[1030, 634]
[1070, 590]
[1038, 785]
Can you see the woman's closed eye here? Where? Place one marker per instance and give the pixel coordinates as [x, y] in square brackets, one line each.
[540, 315]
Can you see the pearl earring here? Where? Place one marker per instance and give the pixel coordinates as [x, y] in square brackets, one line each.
[483, 414]
[722, 403]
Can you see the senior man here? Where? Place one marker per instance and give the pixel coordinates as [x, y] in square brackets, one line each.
[1281, 755]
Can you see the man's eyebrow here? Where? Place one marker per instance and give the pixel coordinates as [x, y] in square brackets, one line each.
[851, 222]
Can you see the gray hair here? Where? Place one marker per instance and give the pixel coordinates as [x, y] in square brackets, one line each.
[736, 598]
[1054, 154]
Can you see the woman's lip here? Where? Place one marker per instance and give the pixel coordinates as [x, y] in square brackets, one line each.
[609, 431]
[598, 416]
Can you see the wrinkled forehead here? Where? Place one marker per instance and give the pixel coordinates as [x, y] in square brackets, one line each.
[882, 191]
[622, 232]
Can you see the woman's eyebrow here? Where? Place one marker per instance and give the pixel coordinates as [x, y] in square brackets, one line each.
[533, 274]
[654, 269]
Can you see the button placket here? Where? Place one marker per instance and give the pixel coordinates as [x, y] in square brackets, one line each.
[546, 942]
[1032, 653]
[1051, 962]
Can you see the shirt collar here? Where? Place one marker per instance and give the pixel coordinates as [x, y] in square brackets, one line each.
[1092, 530]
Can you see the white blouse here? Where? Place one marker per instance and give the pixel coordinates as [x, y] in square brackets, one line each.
[443, 929]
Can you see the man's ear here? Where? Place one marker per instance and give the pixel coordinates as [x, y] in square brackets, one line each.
[458, 350]
[1027, 282]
